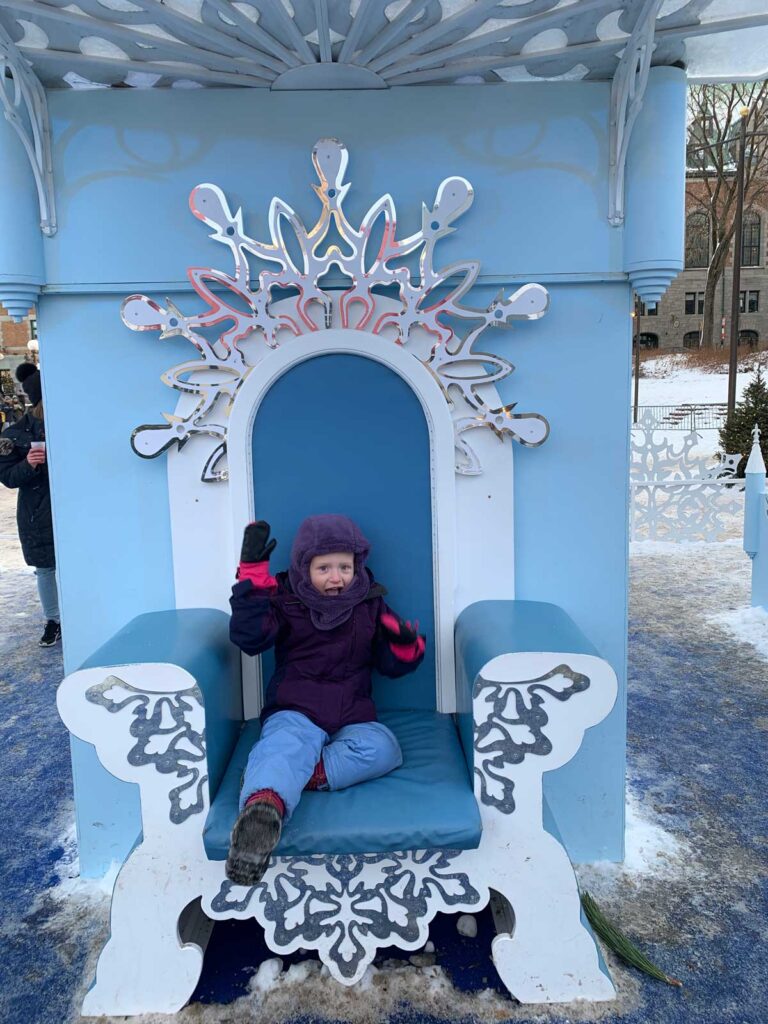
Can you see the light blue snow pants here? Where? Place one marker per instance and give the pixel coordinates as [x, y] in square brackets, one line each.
[48, 592]
[285, 755]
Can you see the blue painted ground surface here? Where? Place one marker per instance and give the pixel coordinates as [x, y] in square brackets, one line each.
[697, 724]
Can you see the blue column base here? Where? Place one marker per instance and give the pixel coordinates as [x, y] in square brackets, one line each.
[650, 283]
[18, 299]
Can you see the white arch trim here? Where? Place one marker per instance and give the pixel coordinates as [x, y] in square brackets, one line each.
[442, 460]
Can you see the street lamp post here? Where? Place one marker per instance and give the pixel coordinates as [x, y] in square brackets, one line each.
[736, 289]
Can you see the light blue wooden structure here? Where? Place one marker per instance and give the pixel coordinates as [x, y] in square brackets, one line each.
[756, 522]
[576, 159]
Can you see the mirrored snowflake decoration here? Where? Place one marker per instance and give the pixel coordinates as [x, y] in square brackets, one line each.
[287, 298]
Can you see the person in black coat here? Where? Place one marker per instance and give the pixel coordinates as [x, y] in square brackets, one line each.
[23, 466]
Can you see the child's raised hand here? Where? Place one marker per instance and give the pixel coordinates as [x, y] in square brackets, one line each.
[257, 547]
[399, 631]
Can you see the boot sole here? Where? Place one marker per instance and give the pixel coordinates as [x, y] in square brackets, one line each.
[254, 837]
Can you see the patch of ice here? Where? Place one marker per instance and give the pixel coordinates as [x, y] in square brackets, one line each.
[467, 925]
[748, 625]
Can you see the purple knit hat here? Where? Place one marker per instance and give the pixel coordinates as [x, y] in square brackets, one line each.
[321, 535]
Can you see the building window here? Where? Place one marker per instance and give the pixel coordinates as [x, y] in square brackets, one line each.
[749, 302]
[33, 327]
[697, 240]
[694, 303]
[691, 339]
[750, 239]
[648, 310]
[648, 340]
[748, 338]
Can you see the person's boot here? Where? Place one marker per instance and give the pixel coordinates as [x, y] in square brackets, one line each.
[255, 835]
[51, 635]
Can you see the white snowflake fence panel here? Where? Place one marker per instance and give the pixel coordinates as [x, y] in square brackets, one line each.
[679, 495]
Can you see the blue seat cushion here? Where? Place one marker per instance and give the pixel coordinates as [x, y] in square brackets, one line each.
[424, 804]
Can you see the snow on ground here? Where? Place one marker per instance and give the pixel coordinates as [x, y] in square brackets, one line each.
[690, 890]
[746, 625]
[72, 889]
[384, 993]
[650, 850]
[668, 381]
[393, 991]
[672, 384]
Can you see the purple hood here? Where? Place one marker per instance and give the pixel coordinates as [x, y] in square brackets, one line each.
[321, 535]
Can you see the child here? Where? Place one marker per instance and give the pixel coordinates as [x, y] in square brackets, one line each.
[330, 626]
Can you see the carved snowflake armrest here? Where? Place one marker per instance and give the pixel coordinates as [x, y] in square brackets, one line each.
[531, 711]
[147, 724]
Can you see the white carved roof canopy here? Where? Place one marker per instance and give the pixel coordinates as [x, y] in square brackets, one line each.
[375, 43]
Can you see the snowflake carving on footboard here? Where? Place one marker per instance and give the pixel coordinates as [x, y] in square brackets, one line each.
[287, 299]
[349, 906]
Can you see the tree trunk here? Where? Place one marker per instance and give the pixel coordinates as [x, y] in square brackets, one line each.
[709, 337]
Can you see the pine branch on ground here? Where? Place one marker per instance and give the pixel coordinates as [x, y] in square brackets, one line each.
[619, 944]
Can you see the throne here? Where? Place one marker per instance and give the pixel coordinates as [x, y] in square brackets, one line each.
[368, 399]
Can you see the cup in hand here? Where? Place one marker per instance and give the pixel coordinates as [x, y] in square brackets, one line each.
[36, 455]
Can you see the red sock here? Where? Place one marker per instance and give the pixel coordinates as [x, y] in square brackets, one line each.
[267, 796]
[318, 779]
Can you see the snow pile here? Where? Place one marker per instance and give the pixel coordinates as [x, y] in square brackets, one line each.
[648, 848]
[649, 852]
[387, 990]
[72, 890]
[748, 625]
[467, 926]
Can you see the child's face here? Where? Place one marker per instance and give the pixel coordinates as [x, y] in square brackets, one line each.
[330, 574]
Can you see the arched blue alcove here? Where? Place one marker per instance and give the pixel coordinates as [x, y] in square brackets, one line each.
[343, 433]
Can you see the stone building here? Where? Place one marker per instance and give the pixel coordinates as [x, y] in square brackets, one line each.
[14, 346]
[677, 321]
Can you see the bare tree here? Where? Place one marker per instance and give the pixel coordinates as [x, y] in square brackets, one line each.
[714, 122]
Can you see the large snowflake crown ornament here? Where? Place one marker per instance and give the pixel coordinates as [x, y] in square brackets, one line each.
[246, 315]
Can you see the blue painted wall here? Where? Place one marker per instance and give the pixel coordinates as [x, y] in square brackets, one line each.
[537, 157]
[521, 147]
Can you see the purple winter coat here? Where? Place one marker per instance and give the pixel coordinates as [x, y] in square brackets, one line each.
[324, 674]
